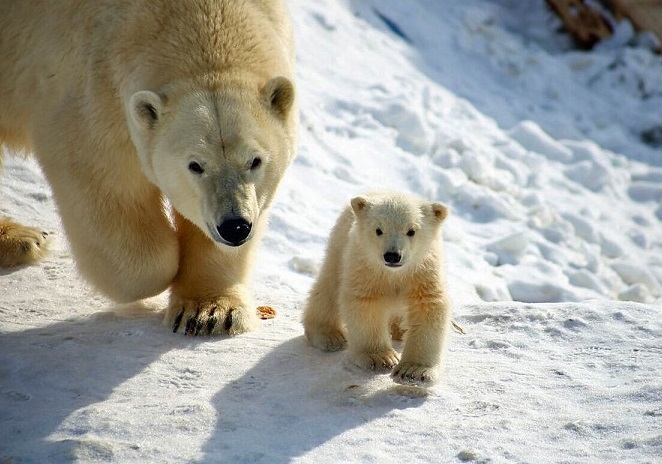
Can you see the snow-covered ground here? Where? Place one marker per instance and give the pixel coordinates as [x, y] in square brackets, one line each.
[551, 160]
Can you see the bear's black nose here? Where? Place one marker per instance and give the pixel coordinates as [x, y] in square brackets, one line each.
[392, 258]
[234, 232]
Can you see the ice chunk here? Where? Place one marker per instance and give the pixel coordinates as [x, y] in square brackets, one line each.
[635, 274]
[533, 138]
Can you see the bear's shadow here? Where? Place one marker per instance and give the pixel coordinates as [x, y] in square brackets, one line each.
[292, 401]
[295, 399]
[50, 372]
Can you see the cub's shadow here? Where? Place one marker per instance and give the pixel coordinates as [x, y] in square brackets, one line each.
[50, 372]
[295, 399]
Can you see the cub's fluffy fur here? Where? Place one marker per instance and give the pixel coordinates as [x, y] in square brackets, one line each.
[383, 276]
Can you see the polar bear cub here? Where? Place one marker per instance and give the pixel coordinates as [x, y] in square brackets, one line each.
[383, 275]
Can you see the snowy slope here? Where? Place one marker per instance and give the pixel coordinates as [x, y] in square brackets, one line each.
[549, 161]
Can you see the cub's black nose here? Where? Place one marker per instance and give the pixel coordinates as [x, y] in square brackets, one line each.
[234, 232]
[392, 259]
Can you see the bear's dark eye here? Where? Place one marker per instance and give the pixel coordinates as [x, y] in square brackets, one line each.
[379, 232]
[257, 162]
[195, 167]
[411, 233]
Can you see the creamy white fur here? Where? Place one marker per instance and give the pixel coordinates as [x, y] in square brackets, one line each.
[116, 100]
[359, 301]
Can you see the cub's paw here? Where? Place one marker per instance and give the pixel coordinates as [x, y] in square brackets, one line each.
[329, 340]
[210, 317]
[380, 362]
[21, 245]
[408, 373]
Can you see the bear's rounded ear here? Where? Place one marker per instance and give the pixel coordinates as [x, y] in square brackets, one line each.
[359, 204]
[278, 93]
[440, 211]
[146, 108]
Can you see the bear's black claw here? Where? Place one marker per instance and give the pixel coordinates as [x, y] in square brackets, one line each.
[228, 321]
[211, 323]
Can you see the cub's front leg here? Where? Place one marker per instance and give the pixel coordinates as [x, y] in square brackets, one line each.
[209, 294]
[428, 320]
[368, 333]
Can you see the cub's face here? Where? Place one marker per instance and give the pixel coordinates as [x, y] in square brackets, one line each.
[397, 231]
[218, 156]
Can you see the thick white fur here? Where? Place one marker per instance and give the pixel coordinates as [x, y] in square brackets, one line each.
[358, 301]
[116, 100]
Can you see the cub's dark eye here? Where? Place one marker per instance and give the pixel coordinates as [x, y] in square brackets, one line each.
[195, 167]
[379, 232]
[411, 233]
[257, 162]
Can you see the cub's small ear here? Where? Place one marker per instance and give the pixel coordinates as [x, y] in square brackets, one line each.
[440, 211]
[146, 108]
[359, 205]
[278, 93]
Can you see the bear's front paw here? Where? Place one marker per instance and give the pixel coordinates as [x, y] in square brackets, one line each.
[408, 373]
[381, 362]
[20, 244]
[210, 317]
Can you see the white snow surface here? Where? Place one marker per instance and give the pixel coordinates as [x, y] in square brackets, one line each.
[551, 160]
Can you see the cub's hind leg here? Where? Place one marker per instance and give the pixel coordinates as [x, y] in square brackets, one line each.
[321, 318]
[21, 245]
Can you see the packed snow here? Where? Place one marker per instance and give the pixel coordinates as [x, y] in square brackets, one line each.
[551, 160]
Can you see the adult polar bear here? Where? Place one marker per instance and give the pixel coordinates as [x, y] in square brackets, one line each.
[125, 103]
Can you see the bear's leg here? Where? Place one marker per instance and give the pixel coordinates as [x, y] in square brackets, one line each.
[321, 318]
[126, 247]
[428, 323]
[324, 328]
[368, 333]
[20, 245]
[116, 224]
[208, 294]
[122, 239]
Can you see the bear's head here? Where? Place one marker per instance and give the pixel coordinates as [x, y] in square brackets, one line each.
[396, 230]
[217, 155]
